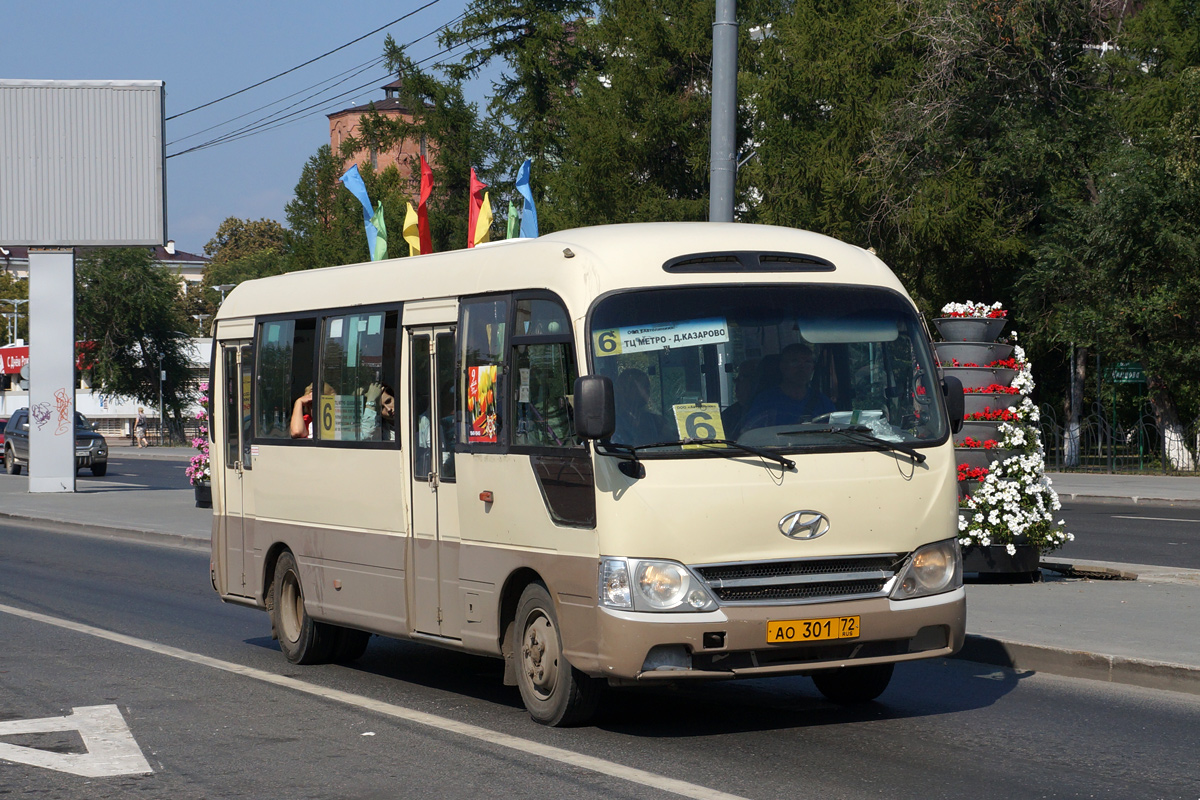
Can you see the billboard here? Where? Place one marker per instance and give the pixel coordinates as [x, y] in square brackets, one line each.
[81, 163]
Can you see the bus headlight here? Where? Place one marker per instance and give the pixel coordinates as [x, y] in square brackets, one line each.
[651, 585]
[932, 569]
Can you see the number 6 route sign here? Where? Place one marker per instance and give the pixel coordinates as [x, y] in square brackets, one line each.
[698, 421]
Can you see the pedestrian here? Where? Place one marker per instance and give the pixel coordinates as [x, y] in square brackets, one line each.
[139, 428]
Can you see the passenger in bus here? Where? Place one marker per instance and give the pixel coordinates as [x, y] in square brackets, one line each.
[793, 399]
[636, 423]
[301, 426]
[378, 423]
[744, 386]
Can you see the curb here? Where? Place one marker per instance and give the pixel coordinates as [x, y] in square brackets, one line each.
[1080, 664]
[1102, 499]
[159, 538]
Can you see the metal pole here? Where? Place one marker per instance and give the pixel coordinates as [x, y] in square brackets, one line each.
[723, 155]
[160, 400]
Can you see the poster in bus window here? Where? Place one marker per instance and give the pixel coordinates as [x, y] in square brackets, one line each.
[481, 403]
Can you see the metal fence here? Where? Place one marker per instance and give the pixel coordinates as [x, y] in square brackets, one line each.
[1102, 444]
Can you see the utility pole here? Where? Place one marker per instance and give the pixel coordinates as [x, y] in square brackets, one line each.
[162, 376]
[722, 150]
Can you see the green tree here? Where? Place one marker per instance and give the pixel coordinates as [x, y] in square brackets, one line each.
[237, 238]
[636, 142]
[325, 220]
[126, 305]
[538, 45]
[12, 288]
[458, 142]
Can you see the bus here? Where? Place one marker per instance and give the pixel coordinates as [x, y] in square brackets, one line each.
[615, 456]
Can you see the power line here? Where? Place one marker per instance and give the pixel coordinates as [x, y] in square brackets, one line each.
[273, 121]
[306, 63]
[357, 70]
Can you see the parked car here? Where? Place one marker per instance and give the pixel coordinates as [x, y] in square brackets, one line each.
[3, 422]
[91, 449]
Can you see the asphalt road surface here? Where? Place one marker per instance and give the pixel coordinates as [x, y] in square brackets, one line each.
[133, 636]
[1133, 534]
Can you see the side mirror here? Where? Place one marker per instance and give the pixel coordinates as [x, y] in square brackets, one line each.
[595, 407]
[956, 405]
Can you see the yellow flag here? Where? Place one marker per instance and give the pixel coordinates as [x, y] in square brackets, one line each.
[412, 234]
[483, 227]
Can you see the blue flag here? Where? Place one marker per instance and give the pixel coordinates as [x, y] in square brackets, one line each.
[529, 226]
[354, 182]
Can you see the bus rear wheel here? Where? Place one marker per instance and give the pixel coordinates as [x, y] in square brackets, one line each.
[554, 692]
[852, 685]
[302, 639]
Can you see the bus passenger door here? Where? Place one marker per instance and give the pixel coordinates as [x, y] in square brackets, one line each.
[435, 537]
[234, 439]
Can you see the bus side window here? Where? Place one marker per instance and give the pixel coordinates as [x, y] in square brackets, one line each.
[543, 376]
[358, 397]
[483, 328]
[284, 370]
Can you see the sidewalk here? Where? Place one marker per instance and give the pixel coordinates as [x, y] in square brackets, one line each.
[1144, 632]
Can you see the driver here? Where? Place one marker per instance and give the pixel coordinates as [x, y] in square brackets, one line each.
[794, 399]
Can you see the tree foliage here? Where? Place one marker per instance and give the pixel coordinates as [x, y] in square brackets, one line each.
[127, 306]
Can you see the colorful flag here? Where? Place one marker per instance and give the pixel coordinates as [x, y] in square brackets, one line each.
[412, 233]
[514, 223]
[529, 224]
[477, 187]
[354, 182]
[483, 222]
[423, 208]
[379, 253]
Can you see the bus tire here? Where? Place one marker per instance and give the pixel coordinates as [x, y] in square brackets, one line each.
[351, 644]
[554, 692]
[852, 685]
[302, 639]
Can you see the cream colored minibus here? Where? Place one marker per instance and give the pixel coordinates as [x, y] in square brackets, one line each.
[611, 456]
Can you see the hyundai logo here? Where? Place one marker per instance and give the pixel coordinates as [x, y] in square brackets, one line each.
[804, 525]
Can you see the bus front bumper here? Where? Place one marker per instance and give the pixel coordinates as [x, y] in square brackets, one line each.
[732, 641]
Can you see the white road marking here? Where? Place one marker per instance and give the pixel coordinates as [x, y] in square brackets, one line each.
[526, 746]
[1156, 519]
[111, 749]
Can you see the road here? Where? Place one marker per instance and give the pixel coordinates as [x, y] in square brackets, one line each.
[1133, 534]
[216, 711]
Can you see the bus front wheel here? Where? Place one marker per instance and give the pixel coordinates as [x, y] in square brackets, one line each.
[853, 685]
[555, 693]
[302, 639]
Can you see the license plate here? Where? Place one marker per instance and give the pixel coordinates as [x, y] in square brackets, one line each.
[812, 630]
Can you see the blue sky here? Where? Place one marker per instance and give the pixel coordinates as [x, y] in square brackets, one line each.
[205, 50]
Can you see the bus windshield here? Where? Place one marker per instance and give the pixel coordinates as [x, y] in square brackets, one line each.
[793, 367]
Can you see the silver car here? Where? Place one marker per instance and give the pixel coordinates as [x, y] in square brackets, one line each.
[91, 449]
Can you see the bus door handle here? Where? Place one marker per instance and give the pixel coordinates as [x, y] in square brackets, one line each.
[433, 481]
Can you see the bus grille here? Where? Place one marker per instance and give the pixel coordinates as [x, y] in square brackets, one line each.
[801, 581]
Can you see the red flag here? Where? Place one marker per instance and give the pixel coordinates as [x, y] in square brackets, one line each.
[477, 187]
[423, 208]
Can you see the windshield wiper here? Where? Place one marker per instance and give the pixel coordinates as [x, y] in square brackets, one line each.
[632, 451]
[863, 433]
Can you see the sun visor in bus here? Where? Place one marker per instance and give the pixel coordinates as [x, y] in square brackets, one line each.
[848, 329]
[748, 261]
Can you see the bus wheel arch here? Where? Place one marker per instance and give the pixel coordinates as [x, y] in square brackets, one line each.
[554, 692]
[510, 597]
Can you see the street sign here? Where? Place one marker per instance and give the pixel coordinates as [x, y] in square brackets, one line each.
[1126, 372]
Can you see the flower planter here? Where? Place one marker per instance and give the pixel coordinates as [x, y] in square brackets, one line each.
[203, 495]
[976, 457]
[981, 377]
[968, 488]
[979, 430]
[995, 559]
[980, 353]
[970, 329]
[979, 402]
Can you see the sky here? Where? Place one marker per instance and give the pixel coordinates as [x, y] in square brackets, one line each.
[208, 49]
